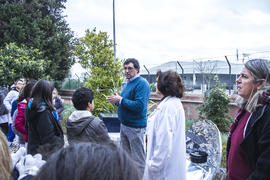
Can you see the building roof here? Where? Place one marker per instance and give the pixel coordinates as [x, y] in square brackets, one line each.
[189, 67]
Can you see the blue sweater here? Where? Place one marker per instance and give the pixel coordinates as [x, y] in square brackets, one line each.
[133, 108]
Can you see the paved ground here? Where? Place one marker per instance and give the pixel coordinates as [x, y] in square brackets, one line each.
[14, 146]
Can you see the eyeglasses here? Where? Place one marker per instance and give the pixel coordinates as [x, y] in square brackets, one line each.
[128, 68]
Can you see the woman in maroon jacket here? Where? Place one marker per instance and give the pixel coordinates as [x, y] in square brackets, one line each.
[248, 147]
[21, 106]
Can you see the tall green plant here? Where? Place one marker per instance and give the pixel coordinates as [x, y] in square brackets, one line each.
[16, 62]
[216, 106]
[95, 53]
[39, 24]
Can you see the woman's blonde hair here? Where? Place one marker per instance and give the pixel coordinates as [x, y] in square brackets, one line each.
[5, 159]
[259, 69]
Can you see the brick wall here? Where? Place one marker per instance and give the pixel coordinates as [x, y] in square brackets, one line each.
[191, 104]
[66, 95]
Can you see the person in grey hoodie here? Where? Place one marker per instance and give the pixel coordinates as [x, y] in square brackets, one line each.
[82, 126]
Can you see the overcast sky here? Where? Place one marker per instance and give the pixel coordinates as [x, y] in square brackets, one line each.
[155, 31]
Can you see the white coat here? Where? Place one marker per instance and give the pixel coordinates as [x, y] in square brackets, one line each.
[166, 146]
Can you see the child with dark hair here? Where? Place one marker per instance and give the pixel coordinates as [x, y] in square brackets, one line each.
[89, 161]
[82, 126]
[21, 106]
[41, 123]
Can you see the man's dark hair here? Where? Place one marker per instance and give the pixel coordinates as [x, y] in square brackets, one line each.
[169, 83]
[134, 61]
[81, 97]
[89, 161]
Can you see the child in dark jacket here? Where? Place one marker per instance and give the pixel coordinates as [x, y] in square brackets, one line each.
[42, 126]
[82, 126]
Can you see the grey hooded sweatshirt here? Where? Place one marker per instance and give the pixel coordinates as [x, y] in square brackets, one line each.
[82, 126]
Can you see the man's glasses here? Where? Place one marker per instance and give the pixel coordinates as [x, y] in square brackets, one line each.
[128, 68]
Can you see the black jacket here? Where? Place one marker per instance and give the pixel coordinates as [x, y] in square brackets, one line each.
[256, 143]
[82, 127]
[43, 129]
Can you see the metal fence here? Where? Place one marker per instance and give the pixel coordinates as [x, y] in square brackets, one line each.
[198, 75]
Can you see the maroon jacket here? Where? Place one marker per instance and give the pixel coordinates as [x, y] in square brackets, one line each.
[20, 120]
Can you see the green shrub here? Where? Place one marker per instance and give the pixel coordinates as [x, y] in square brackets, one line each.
[216, 106]
[153, 87]
[21, 61]
[69, 108]
[188, 124]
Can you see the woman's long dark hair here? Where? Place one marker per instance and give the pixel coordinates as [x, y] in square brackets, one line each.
[42, 92]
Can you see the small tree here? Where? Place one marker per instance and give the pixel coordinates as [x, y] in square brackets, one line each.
[16, 62]
[216, 106]
[95, 53]
[206, 69]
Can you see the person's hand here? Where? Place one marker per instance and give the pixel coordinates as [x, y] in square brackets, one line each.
[17, 156]
[115, 99]
[29, 165]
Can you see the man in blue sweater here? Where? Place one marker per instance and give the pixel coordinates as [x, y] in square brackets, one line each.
[132, 109]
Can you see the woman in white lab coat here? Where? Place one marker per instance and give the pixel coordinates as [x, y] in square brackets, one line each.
[166, 147]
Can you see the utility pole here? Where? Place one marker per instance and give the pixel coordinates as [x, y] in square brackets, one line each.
[230, 72]
[114, 40]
